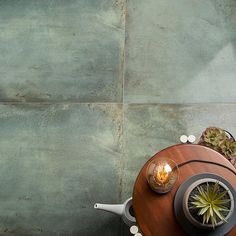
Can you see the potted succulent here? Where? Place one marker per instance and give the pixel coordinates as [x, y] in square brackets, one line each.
[208, 203]
[221, 141]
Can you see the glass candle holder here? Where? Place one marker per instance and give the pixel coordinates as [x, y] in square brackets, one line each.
[162, 174]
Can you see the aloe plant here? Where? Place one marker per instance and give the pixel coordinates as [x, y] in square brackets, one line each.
[210, 204]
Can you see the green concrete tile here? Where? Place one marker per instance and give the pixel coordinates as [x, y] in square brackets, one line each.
[125, 230]
[56, 162]
[180, 51]
[150, 128]
[67, 50]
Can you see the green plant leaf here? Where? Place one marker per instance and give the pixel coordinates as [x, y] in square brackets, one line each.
[204, 218]
[217, 212]
[210, 203]
[198, 204]
[208, 215]
[203, 210]
[200, 199]
[221, 201]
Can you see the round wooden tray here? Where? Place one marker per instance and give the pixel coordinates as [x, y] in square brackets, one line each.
[155, 213]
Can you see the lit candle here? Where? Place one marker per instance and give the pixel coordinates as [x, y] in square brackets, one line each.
[163, 173]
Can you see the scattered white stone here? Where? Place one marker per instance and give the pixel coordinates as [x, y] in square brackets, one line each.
[134, 229]
[183, 139]
[138, 234]
[191, 138]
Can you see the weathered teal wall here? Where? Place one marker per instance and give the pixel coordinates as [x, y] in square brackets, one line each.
[62, 50]
[90, 89]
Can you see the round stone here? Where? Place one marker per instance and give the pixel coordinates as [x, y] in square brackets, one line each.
[183, 139]
[191, 138]
[134, 229]
[138, 234]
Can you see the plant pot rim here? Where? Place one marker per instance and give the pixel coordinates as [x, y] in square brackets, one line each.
[186, 197]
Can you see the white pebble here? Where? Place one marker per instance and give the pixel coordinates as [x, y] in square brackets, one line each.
[183, 139]
[138, 234]
[134, 229]
[191, 138]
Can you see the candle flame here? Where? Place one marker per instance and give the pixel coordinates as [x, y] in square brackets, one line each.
[167, 168]
[163, 173]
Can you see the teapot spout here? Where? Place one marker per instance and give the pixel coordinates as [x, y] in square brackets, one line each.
[113, 208]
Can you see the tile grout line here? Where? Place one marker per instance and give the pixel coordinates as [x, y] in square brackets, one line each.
[59, 102]
[116, 103]
[121, 165]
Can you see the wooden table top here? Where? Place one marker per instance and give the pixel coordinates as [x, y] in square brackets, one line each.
[155, 213]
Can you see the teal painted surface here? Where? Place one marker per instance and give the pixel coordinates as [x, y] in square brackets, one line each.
[70, 137]
[56, 162]
[150, 128]
[180, 51]
[66, 50]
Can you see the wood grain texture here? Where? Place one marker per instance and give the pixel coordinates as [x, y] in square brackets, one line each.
[154, 213]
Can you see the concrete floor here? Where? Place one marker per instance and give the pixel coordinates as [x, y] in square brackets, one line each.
[89, 90]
